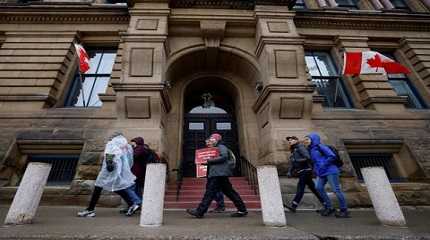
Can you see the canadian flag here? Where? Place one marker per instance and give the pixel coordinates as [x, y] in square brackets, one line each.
[84, 60]
[355, 63]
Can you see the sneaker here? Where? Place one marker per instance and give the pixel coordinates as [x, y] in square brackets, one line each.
[123, 210]
[291, 208]
[319, 210]
[132, 210]
[218, 210]
[342, 214]
[87, 213]
[239, 214]
[194, 212]
[327, 212]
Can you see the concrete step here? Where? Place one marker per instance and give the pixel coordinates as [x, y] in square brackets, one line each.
[200, 192]
[194, 204]
[198, 198]
[199, 187]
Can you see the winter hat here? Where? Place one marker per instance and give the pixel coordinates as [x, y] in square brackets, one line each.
[216, 136]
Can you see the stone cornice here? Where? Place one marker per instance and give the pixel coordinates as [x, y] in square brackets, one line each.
[363, 21]
[269, 89]
[64, 14]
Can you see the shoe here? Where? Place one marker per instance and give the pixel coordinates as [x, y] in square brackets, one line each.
[132, 210]
[291, 208]
[319, 210]
[218, 210]
[194, 212]
[327, 212]
[342, 214]
[87, 213]
[239, 214]
[123, 210]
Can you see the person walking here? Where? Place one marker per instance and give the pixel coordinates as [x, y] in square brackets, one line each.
[326, 170]
[301, 167]
[115, 176]
[219, 169]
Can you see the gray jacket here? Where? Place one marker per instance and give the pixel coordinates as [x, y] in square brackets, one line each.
[219, 167]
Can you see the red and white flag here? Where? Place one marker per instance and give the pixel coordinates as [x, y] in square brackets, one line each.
[356, 63]
[84, 60]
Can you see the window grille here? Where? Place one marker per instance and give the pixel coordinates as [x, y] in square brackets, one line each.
[385, 160]
[63, 167]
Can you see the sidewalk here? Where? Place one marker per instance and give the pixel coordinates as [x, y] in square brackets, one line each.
[61, 223]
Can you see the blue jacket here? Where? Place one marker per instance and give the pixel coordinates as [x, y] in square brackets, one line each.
[322, 157]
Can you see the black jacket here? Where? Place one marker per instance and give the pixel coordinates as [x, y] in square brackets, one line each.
[300, 160]
[219, 167]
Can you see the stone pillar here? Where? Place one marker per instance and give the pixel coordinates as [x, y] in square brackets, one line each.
[377, 4]
[376, 93]
[322, 3]
[387, 4]
[27, 197]
[141, 95]
[270, 196]
[153, 195]
[427, 3]
[381, 194]
[285, 103]
[417, 51]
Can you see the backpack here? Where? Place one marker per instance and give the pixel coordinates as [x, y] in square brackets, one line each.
[231, 159]
[153, 158]
[338, 160]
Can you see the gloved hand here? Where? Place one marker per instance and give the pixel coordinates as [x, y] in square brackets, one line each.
[110, 164]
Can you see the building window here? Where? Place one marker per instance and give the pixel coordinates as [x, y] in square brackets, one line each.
[300, 4]
[400, 4]
[327, 80]
[384, 160]
[352, 4]
[403, 87]
[93, 82]
[63, 167]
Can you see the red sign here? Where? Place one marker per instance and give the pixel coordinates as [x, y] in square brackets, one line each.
[201, 170]
[202, 156]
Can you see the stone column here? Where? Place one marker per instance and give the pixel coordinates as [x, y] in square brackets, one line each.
[387, 4]
[376, 93]
[270, 196]
[427, 3]
[27, 197]
[141, 95]
[153, 195]
[416, 50]
[381, 194]
[285, 103]
[377, 4]
[322, 3]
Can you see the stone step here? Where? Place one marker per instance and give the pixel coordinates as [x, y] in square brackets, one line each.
[200, 192]
[199, 197]
[194, 204]
[203, 187]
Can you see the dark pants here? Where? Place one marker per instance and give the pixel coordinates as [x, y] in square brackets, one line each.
[305, 179]
[125, 194]
[215, 185]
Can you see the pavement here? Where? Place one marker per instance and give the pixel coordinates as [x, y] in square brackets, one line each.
[60, 222]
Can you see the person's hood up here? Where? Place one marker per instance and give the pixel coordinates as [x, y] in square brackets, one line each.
[138, 141]
[315, 139]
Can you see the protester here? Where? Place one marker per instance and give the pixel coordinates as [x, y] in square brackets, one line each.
[219, 197]
[323, 159]
[219, 170]
[115, 176]
[301, 167]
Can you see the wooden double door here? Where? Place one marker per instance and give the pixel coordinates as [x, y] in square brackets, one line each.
[197, 128]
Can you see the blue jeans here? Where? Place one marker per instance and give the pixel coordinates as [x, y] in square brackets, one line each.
[132, 196]
[333, 180]
[219, 198]
[138, 189]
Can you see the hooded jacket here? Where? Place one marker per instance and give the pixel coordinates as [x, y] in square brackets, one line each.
[322, 157]
[142, 155]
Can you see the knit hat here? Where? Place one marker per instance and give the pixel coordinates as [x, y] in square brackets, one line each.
[216, 136]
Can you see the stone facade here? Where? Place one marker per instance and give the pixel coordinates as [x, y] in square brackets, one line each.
[257, 53]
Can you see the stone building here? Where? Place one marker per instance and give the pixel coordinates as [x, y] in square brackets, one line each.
[174, 71]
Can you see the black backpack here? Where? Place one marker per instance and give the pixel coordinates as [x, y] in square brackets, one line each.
[338, 160]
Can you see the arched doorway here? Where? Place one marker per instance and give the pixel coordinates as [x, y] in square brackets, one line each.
[209, 106]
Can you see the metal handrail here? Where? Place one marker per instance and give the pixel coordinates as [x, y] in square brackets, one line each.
[250, 172]
[179, 177]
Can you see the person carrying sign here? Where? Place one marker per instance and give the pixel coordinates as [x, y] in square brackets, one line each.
[219, 169]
